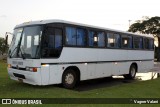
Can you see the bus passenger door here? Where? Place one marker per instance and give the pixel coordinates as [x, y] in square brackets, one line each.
[52, 45]
[52, 48]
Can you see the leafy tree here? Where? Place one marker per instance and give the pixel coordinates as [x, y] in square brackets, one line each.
[148, 26]
[3, 45]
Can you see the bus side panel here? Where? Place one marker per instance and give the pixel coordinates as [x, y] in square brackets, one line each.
[140, 55]
[103, 70]
[56, 72]
[120, 68]
[45, 75]
[113, 68]
[110, 69]
[55, 76]
[90, 72]
[145, 66]
[148, 65]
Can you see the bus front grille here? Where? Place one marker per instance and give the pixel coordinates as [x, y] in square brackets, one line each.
[19, 75]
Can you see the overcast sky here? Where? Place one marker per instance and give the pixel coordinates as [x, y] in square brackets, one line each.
[105, 13]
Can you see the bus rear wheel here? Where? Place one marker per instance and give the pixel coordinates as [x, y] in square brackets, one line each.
[132, 72]
[69, 79]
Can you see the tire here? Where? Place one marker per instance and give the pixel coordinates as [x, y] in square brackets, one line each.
[69, 79]
[132, 72]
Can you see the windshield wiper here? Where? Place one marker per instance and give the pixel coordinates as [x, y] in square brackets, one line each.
[22, 54]
[10, 55]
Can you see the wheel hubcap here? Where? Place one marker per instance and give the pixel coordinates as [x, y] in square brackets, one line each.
[69, 79]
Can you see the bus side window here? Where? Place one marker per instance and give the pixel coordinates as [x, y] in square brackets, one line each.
[51, 41]
[151, 44]
[75, 36]
[117, 40]
[126, 41]
[110, 40]
[130, 42]
[58, 38]
[141, 43]
[101, 39]
[96, 39]
[71, 36]
[113, 40]
[138, 44]
[91, 35]
[81, 37]
[146, 43]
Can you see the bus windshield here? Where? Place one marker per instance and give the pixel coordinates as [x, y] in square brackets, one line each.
[26, 43]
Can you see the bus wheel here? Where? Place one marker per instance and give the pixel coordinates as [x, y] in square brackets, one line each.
[132, 72]
[69, 79]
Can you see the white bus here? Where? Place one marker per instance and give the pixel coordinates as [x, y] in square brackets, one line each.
[56, 51]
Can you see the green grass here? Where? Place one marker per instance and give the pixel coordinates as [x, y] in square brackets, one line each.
[138, 89]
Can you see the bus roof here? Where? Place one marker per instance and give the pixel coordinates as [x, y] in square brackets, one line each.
[73, 23]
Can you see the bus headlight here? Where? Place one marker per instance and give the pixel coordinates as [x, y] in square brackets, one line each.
[32, 69]
[9, 65]
[27, 69]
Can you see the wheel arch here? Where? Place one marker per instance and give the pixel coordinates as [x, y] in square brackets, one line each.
[75, 68]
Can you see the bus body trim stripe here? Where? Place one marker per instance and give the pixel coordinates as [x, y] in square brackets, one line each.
[90, 62]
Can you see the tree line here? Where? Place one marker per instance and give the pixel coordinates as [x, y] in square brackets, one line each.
[3, 45]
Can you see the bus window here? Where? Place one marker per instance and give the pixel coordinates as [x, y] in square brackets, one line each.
[138, 43]
[91, 37]
[117, 40]
[81, 37]
[130, 42]
[70, 36]
[151, 44]
[101, 39]
[53, 43]
[113, 40]
[126, 41]
[75, 36]
[58, 38]
[146, 43]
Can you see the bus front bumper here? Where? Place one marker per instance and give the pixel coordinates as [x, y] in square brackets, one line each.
[29, 77]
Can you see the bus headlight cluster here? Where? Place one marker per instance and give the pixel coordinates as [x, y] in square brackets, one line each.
[9, 65]
[32, 69]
